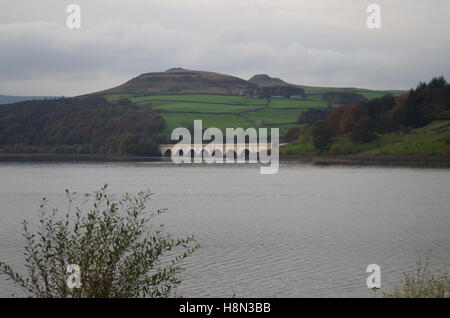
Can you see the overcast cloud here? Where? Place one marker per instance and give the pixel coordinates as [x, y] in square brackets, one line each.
[321, 42]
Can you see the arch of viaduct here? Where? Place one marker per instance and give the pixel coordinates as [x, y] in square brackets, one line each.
[219, 150]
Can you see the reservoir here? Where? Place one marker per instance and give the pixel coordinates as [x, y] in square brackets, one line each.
[307, 231]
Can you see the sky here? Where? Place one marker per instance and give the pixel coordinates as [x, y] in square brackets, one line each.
[319, 43]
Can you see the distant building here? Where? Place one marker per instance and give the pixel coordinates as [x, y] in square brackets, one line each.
[243, 93]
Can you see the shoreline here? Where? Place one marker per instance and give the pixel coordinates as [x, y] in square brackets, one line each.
[349, 160]
[371, 160]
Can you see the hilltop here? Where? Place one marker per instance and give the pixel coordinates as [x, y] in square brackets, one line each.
[182, 81]
[265, 80]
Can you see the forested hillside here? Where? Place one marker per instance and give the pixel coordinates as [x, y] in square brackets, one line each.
[84, 125]
[416, 122]
[414, 109]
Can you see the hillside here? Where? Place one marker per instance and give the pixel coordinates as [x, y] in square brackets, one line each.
[222, 101]
[265, 80]
[181, 81]
[87, 125]
[412, 124]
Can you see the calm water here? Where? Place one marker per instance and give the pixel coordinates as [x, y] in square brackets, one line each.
[307, 231]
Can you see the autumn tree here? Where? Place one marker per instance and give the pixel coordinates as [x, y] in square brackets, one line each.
[323, 134]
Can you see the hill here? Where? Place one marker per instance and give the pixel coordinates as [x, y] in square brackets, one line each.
[178, 81]
[223, 101]
[181, 81]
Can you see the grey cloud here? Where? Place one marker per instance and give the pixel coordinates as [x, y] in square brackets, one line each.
[308, 42]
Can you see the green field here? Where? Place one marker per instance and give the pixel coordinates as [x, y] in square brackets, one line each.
[274, 116]
[115, 97]
[199, 98]
[174, 120]
[183, 107]
[225, 111]
[229, 111]
[297, 103]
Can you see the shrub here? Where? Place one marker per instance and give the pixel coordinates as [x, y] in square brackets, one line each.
[446, 151]
[339, 149]
[302, 139]
[118, 251]
[378, 152]
[422, 283]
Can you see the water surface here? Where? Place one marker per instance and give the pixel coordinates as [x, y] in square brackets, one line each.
[306, 231]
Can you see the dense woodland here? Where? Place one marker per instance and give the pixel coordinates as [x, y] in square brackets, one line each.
[83, 125]
[363, 121]
[414, 109]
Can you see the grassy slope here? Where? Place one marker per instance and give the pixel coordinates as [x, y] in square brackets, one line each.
[174, 120]
[232, 111]
[428, 140]
[225, 111]
[181, 107]
[226, 99]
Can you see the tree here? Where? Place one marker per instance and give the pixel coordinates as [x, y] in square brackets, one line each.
[119, 253]
[350, 117]
[364, 130]
[312, 115]
[138, 144]
[323, 134]
[293, 134]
